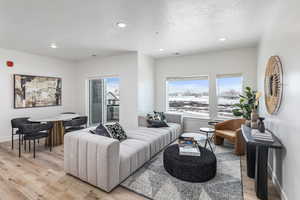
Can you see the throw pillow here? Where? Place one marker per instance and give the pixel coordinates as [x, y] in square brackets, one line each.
[100, 130]
[161, 115]
[156, 123]
[156, 120]
[116, 131]
[153, 116]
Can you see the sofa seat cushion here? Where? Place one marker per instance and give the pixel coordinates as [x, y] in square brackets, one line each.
[175, 130]
[133, 154]
[158, 138]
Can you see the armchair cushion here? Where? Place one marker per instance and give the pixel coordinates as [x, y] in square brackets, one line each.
[232, 124]
[226, 133]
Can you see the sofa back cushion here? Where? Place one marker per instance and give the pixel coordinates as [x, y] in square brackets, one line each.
[170, 118]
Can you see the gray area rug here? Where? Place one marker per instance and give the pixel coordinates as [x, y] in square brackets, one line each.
[154, 182]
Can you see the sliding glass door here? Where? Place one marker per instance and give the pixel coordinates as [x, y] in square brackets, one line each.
[96, 95]
[104, 100]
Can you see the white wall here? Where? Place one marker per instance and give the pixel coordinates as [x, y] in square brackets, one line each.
[32, 65]
[145, 84]
[122, 66]
[282, 38]
[243, 61]
[141, 83]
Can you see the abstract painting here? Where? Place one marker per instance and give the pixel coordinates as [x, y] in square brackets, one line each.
[36, 91]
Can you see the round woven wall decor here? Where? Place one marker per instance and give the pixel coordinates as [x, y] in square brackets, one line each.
[273, 84]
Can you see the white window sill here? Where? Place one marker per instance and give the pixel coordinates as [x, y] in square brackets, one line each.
[197, 118]
[226, 118]
[191, 116]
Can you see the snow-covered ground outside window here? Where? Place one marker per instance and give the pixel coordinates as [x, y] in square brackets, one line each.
[189, 96]
[190, 105]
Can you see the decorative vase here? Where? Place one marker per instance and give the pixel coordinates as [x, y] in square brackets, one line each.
[261, 125]
[248, 123]
[254, 119]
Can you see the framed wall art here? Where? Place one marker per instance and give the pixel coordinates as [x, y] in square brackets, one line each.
[36, 91]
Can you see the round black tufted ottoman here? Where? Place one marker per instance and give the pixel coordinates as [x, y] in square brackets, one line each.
[190, 168]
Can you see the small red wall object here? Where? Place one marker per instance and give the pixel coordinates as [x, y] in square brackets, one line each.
[9, 63]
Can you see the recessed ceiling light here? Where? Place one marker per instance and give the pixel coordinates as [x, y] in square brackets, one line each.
[121, 24]
[222, 39]
[161, 49]
[53, 45]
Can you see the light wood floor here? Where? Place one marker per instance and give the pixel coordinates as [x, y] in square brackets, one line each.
[43, 178]
[249, 188]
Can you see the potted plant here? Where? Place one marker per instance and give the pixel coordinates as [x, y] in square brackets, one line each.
[247, 103]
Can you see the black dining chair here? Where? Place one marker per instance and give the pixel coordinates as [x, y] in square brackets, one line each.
[75, 124]
[15, 128]
[33, 132]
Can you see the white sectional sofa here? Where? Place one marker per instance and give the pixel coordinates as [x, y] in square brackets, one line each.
[105, 162]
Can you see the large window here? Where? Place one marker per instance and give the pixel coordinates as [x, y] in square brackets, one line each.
[229, 87]
[189, 96]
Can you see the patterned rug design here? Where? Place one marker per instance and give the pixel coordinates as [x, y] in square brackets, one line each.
[154, 182]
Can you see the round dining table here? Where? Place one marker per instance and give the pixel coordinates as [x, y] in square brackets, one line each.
[58, 131]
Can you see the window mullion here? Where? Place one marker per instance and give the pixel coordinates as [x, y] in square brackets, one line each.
[213, 96]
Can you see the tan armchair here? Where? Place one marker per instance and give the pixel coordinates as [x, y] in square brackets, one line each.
[230, 130]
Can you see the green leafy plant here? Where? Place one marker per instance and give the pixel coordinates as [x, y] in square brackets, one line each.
[247, 103]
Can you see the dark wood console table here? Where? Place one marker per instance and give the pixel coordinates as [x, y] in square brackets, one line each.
[257, 160]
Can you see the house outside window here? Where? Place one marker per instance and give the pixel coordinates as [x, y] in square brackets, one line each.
[113, 99]
[229, 87]
[189, 96]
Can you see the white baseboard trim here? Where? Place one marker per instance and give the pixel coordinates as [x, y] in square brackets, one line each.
[276, 183]
[5, 138]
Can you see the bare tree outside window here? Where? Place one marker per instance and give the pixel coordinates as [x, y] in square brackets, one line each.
[228, 90]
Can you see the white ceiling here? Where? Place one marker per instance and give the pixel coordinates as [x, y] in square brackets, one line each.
[81, 28]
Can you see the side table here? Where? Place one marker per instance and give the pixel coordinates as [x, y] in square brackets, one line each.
[209, 135]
